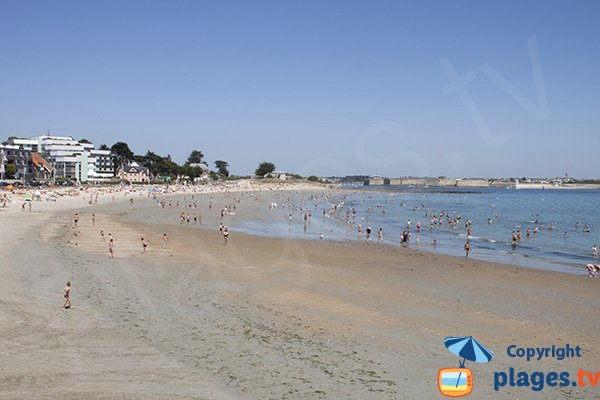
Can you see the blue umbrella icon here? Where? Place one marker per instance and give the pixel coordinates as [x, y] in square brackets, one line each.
[469, 349]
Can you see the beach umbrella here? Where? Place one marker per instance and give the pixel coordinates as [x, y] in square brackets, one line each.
[469, 349]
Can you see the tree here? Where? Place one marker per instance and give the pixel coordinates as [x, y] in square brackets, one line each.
[195, 157]
[122, 151]
[103, 147]
[158, 165]
[190, 172]
[222, 167]
[85, 141]
[264, 168]
[10, 170]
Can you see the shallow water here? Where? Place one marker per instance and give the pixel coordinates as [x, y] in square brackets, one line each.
[566, 248]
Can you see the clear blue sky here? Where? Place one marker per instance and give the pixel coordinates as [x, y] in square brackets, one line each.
[318, 87]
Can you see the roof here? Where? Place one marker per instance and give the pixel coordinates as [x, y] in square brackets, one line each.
[134, 168]
[40, 161]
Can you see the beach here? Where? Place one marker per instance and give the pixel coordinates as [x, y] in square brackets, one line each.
[260, 317]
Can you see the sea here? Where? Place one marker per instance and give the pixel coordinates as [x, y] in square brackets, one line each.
[561, 243]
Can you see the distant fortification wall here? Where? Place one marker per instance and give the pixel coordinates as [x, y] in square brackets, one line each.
[428, 182]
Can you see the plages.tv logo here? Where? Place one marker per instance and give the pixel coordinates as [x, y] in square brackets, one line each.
[458, 382]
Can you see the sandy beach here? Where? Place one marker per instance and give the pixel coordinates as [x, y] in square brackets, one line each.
[260, 317]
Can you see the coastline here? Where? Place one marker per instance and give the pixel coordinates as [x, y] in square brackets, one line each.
[345, 320]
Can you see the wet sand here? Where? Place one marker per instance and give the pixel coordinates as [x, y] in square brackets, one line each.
[261, 318]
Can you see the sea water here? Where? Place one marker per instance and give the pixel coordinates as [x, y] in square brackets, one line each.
[564, 248]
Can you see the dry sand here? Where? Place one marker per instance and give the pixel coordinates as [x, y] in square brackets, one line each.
[261, 318]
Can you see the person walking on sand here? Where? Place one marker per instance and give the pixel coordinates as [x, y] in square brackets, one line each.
[93, 220]
[165, 241]
[144, 246]
[111, 253]
[467, 248]
[225, 235]
[66, 292]
[102, 238]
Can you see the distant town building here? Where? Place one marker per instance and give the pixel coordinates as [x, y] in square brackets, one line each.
[281, 175]
[28, 164]
[133, 172]
[65, 156]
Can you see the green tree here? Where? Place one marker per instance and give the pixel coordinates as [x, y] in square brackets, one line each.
[103, 147]
[122, 152]
[158, 165]
[264, 168]
[85, 141]
[222, 167]
[190, 172]
[195, 157]
[10, 170]
[313, 178]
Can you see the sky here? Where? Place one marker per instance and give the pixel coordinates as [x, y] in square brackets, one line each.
[393, 88]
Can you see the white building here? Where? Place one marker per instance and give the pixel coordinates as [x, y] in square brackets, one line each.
[71, 158]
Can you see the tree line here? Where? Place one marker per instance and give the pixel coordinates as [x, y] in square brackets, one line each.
[164, 166]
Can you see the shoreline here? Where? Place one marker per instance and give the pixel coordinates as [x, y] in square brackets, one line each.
[206, 320]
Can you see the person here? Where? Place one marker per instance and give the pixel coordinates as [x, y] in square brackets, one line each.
[467, 248]
[165, 241]
[111, 253]
[67, 295]
[593, 269]
[368, 233]
[102, 238]
[380, 234]
[75, 219]
[225, 235]
[595, 250]
[144, 246]
[94, 220]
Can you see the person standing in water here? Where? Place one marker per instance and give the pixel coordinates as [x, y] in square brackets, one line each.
[67, 295]
[467, 248]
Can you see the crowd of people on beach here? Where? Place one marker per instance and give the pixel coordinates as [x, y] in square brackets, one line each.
[295, 206]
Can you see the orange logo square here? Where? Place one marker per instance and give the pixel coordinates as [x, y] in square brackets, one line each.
[455, 382]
